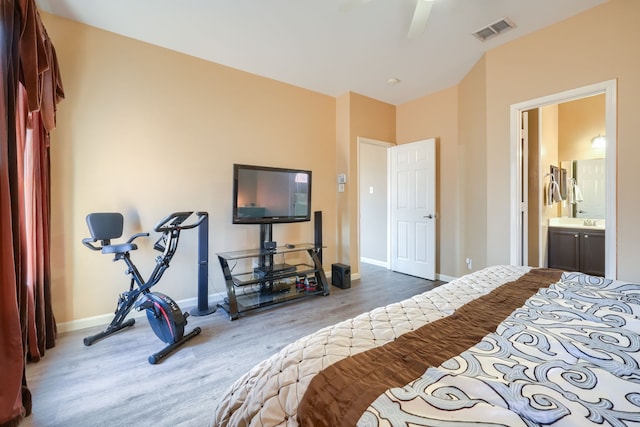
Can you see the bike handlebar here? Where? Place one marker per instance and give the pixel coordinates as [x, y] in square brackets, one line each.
[88, 243]
[174, 221]
[135, 236]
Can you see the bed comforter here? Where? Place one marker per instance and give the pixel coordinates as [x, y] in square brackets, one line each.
[537, 365]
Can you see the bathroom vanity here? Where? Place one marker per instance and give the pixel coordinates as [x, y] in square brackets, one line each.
[577, 244]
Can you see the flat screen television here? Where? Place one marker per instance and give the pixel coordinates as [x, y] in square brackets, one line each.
[269, 195]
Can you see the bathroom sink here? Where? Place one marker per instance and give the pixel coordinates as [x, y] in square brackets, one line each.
[586, 223]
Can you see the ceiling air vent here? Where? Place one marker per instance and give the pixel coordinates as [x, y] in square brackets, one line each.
[494, 29]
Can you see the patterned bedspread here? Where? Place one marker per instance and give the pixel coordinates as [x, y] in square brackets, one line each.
[568, 356]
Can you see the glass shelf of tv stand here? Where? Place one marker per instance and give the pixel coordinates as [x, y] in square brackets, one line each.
[251, 278]
[253, 253]
[251, 290]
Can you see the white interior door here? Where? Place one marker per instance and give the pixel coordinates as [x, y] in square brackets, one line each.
[412, 208]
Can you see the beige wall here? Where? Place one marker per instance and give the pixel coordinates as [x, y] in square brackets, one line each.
[343, 154]
[147, 131]
[473, 170]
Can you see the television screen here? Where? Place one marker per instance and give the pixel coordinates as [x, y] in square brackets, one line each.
[263, 195]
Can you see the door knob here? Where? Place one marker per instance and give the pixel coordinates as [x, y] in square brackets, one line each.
[428, 216]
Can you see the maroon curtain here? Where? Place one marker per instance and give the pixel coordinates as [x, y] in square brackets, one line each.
[29, 92]
[11, 353]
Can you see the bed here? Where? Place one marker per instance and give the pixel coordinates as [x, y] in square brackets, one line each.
[506, 345]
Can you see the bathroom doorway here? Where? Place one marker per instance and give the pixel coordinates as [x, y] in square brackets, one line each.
[531, 177]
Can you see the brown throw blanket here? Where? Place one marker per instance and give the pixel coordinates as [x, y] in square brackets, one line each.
[339, 395]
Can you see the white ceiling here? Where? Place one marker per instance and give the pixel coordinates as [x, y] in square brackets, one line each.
[328, 46]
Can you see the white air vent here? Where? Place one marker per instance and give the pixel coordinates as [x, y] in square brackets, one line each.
[494, 29]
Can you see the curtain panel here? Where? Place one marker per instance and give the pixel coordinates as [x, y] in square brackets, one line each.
[29, 91]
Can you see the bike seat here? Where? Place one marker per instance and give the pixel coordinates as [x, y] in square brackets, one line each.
[119, 248]
[105, 226]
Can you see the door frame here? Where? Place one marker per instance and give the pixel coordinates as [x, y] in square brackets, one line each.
[608, 88]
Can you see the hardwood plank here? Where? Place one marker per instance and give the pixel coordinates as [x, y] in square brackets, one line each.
[111, 383]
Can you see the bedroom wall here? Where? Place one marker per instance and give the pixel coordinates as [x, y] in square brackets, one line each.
[475, 196]
[592, 47]
[147, 131]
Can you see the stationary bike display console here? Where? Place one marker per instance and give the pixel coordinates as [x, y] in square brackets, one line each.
[165, 317]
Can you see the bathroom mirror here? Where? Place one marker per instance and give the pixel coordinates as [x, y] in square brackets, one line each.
[585, 188]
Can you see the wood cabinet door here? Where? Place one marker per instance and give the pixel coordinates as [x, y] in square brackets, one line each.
[564, 249]
[592, 252]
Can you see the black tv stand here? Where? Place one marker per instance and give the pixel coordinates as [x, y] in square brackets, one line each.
[268, 283]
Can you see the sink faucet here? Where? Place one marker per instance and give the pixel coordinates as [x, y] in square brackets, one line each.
[588, 222]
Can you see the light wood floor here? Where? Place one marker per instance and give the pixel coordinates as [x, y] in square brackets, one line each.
[111, 383]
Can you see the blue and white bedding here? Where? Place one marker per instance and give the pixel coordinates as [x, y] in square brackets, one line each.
[569, 357]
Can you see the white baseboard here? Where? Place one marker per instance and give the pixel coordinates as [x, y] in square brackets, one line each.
[105, 319]
[376, 262]
[386, 265]
[445, 278]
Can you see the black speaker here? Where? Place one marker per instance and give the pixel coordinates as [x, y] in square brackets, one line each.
[341, 275]
[317, 232]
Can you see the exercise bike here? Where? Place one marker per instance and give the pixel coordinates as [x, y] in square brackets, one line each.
[164, 315]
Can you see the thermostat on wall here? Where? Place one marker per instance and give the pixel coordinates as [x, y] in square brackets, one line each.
[342, 178]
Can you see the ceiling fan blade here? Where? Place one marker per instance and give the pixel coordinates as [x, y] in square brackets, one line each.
[420, 18]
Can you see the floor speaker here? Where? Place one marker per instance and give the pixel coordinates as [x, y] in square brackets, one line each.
[317, 232]
[341, 275]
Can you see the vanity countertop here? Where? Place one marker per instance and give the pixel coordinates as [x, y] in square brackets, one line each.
[587, 224]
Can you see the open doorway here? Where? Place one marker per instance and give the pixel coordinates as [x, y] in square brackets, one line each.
[561, 149]
[373, 216]
[520, 173]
